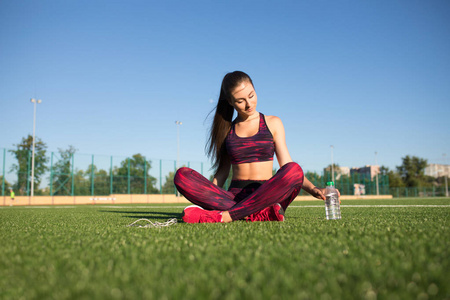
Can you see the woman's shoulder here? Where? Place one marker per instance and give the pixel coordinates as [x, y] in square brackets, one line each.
[273, 122]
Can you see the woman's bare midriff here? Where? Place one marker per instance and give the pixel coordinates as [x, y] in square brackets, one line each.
[253, 171]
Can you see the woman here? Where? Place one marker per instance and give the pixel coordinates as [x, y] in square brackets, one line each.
[246, 145]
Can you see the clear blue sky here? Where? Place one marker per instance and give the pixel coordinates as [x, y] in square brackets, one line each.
[114, 76]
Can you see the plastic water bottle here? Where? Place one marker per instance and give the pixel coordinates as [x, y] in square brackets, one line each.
[332, 206]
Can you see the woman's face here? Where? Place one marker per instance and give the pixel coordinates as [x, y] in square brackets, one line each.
[244, 99]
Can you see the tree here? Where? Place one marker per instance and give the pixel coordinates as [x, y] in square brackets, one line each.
[136, 169]
[61, 172]
[227, 182]
[5, 185]
[412, 171]
[96, 182]
[81, 184]
[168, 186]
[23, 155]
[394, 178]
[337, 172]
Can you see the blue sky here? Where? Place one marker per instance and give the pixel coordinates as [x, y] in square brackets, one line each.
[363, 76]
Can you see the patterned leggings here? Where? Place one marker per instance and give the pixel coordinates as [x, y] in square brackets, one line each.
[241, 201]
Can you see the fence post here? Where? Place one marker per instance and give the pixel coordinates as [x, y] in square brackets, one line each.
[160, 176]
[3, 178]
[111, 177]
[92, 176]
[51, 175]
[145, 175]
[174, 171]
[73, 175]
[129, 190]
[28, 172]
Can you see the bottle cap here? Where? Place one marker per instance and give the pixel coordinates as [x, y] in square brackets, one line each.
[330, 183]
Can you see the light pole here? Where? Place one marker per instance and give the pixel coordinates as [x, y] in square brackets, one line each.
[34, 101]
[178, 123]
[378, 188]
[332, 165]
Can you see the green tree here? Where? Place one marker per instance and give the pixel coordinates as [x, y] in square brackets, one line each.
[5, 185]
[412, 171]
[137, 169]
[96, 182]
[327, 172]
[229, 178]
[61, 172]
[168, 186]
[23, 155]
[315, 178]
[395, 180]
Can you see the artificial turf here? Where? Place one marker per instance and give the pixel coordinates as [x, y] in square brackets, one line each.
[88, 252]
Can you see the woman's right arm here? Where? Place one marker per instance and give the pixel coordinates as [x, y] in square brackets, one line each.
[222, 174]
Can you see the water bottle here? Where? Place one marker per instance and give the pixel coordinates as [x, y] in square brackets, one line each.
[332, 207]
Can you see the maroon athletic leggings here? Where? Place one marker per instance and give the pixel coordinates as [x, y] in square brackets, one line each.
[243, 197]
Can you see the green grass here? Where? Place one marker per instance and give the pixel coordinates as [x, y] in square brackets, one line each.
[87, 252]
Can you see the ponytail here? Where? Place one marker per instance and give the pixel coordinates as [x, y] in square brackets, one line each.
[221, 125]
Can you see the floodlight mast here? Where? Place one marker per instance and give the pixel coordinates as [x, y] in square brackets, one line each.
[34, 101]
[178, 123]
[332, 165]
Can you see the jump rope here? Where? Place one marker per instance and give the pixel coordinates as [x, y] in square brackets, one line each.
[151, 224]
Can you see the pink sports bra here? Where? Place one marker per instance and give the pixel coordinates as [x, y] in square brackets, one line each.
[256, 148]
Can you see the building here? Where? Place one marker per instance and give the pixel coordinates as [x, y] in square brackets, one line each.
[338, 171]
[367, 171]
[436, 170]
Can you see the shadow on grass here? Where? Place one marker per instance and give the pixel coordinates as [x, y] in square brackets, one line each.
[146, 215]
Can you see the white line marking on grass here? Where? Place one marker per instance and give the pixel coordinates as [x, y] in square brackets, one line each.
[310, 206]
[56, 206]
[102, 206]
[294, 206]
[177, 207]
[38, 206]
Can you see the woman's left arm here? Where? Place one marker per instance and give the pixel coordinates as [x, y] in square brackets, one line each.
[279, 138]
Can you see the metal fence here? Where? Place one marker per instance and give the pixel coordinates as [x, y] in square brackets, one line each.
[399, 192]
[81, 174]
[97, 175]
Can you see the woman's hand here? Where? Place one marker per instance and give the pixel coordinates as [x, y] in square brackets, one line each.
[320, 193]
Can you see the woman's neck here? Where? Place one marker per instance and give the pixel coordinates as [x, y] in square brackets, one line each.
[240, 119]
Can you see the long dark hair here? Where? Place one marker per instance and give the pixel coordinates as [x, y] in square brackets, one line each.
[221, 125]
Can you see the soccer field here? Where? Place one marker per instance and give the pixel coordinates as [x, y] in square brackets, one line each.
[384, 249]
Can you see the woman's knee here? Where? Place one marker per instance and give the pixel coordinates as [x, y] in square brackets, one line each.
[295, 172]
[181, 174]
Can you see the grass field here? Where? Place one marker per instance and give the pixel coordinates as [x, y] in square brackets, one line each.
[377, 251]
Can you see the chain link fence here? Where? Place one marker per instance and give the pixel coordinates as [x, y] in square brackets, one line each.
[74, 174]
